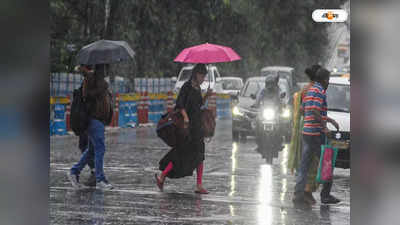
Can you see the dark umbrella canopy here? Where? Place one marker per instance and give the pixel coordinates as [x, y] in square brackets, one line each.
[105, 52]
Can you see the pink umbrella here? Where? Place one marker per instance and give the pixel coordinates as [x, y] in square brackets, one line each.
[207, 53]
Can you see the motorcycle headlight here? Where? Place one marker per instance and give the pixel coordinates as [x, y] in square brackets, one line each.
[286, 113]
[268, 114]
[236, 111]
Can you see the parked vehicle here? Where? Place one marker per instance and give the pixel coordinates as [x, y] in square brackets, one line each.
[338, 98]
[229, 85]
[186, 72]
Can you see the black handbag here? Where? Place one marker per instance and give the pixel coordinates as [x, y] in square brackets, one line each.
[170, 128]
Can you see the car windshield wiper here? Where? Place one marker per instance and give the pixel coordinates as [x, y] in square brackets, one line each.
[338, 110]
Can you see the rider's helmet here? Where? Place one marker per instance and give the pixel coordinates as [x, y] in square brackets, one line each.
[271, 82]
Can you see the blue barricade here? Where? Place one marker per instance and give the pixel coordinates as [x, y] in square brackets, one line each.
[160, 109]
[223, 107]
[153, 110]
[127, 114]
[123, 114]
[133, 117]
[59, 124]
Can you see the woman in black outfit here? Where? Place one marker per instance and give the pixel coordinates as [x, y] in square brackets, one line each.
[189, 152]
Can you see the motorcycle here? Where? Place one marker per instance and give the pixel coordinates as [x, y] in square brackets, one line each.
[270, 127]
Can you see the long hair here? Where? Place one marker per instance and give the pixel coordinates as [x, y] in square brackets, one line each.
[198, 68]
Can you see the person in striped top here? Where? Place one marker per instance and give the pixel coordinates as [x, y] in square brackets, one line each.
[314, 132]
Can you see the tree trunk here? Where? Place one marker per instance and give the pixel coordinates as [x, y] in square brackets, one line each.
[106, 15]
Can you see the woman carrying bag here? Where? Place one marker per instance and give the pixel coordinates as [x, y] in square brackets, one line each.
[188, 154]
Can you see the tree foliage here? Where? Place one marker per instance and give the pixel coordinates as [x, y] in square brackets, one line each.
[264, 33]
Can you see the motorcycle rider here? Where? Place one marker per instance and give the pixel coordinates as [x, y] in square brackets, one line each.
[270, 92]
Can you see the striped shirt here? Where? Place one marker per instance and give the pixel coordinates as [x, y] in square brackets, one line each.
[315, 98]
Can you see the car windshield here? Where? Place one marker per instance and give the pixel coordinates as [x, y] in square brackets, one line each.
[267, 73]
[185, 75]
[253, 87]
[231, 84]
[338, 97]
[284, 74]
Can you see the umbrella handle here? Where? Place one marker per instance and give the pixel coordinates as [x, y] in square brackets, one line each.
[209, 81]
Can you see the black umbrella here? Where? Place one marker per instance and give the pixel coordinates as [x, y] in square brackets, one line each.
[104, 52]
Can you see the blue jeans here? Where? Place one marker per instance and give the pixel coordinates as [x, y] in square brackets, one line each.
[311, 146]
[97, 140]
[84, 145]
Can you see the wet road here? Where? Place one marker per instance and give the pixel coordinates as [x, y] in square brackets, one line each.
[243, 188]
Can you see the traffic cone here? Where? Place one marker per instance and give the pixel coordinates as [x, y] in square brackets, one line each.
[115, 117]
[140, 109]
[170, 102]
[146, 104]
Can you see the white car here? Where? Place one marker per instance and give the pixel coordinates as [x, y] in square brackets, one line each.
[209, 80]
[229, 85]
[338, 98]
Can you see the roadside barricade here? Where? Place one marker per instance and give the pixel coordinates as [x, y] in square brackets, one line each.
[223, 106]
[156, 107]
[128, 108]
[59, 124]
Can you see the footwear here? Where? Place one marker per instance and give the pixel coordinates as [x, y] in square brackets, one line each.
[330, 200]
[298, 199]
[201, 191]
[309, 198]
[104, 185]
[91, 181]
[74, 179]
[160, 184]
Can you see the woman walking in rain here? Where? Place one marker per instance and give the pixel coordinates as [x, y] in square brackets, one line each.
[189, 151]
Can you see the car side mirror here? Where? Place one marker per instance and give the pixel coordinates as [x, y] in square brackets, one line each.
[253, 96]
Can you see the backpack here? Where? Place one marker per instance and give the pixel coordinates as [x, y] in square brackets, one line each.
[79, 120]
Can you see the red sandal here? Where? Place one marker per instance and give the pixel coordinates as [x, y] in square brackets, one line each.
[160, 184]
[201, 191]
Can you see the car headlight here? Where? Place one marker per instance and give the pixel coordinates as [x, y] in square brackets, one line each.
[286, 113]
[268, 114]
[236, 111]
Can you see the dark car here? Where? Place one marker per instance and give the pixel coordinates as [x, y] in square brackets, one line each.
[243, 114]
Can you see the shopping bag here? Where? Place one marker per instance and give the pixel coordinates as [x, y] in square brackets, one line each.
[326, 163]
[207, 120]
